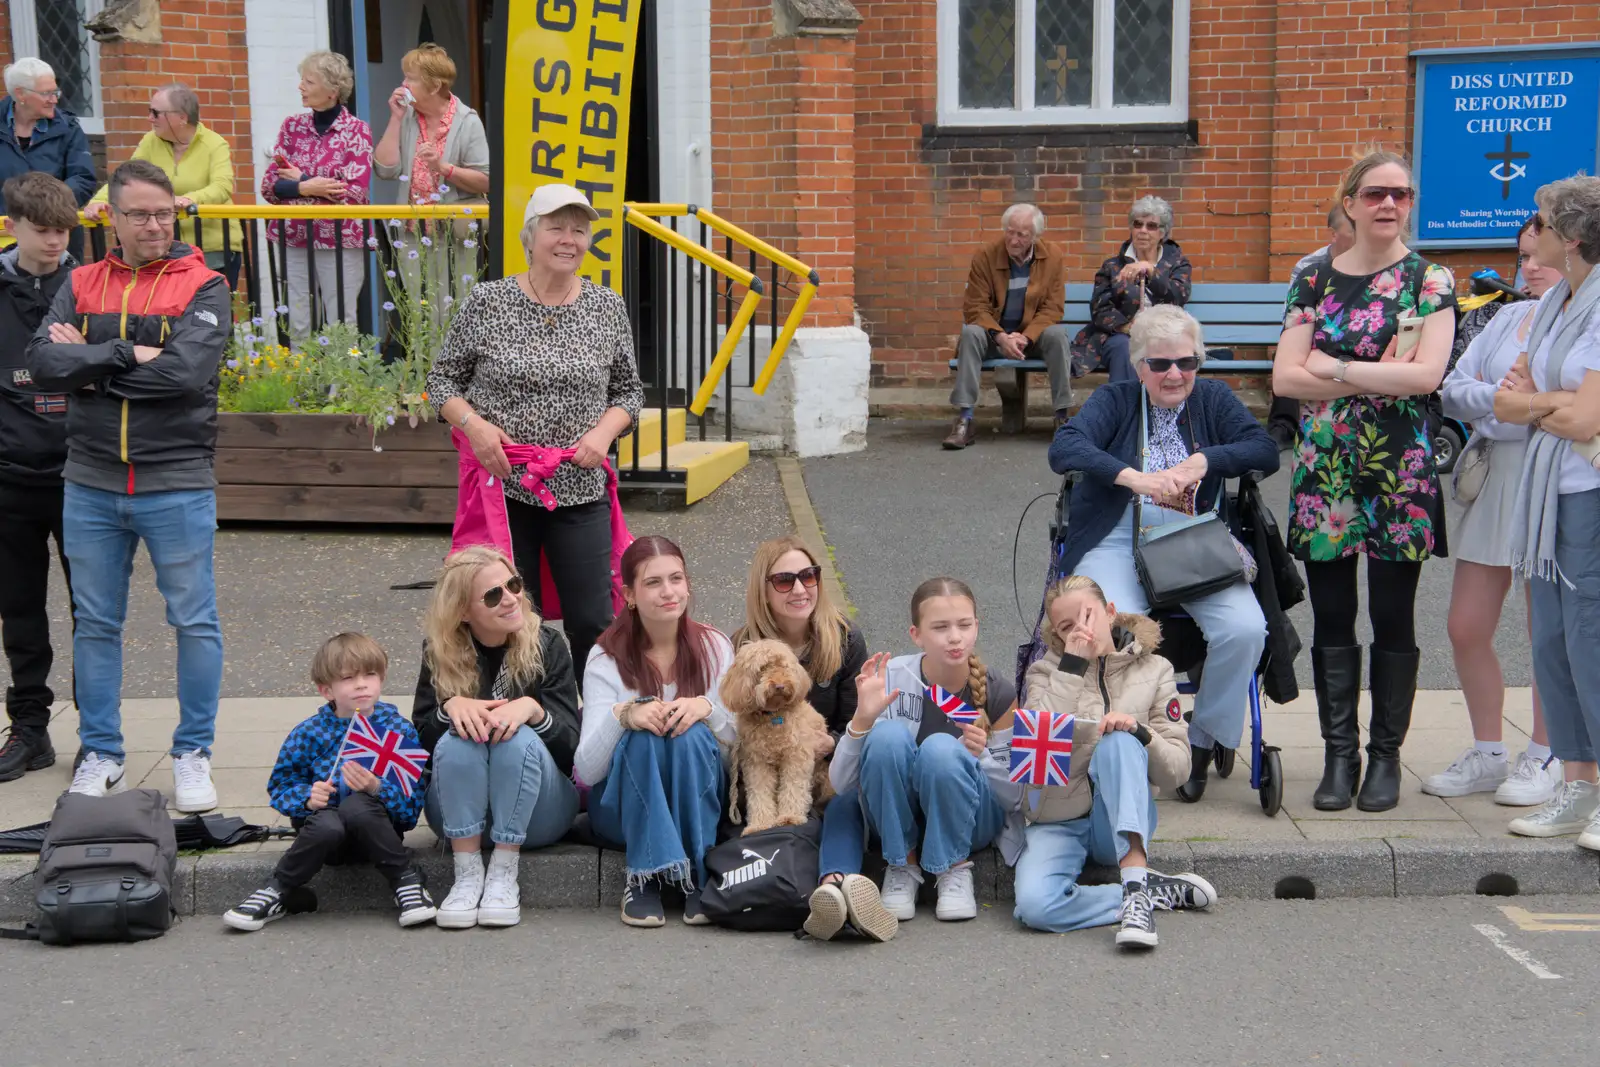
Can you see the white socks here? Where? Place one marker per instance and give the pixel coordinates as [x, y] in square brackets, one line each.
[1493, 749]
[1538, 753]
[1134, 875]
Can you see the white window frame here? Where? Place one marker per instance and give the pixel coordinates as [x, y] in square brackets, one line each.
[25, 42]
[1100, 113]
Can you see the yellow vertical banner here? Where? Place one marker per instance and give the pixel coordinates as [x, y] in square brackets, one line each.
[565, 72]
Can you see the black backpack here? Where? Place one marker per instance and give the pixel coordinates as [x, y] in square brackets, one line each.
[763, 881]
[106, 869]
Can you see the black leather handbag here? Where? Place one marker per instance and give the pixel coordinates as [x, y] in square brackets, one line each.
[1180, 561]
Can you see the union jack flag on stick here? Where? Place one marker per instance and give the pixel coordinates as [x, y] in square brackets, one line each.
[1041, 747]
[387, 757]
[955, 709]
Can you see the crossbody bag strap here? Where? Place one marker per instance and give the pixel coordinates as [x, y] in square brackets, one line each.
[1139, 458]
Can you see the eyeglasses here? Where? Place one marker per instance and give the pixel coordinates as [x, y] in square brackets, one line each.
[53, 94]
[1375, 195]
[1148, 224]
[141, 218]
[157, 112]
[1161, 364]
[784, 581]
[513, 585]
[1536, 224]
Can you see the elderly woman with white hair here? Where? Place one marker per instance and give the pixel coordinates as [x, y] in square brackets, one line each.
[1149, 269]
[37, 133]
[1157, 450]
[323, 158]
[545, 357]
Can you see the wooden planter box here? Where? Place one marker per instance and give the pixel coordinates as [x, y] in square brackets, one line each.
[322, 468]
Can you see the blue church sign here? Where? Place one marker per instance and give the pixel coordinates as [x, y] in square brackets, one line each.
[1491, 127]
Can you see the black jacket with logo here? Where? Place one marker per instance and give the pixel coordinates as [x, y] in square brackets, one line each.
[138, 427]
[33, 422]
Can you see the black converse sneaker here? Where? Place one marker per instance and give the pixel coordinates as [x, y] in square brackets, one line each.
[641, 905]
[1138, 929]
[412, 898]
[1180, 892]
[258, 909]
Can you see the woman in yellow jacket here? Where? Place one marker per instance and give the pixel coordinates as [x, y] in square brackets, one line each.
[1128, 734]
[200, 163]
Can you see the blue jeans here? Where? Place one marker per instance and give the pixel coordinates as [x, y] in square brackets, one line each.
[101, 530]
[661, 802]
[938, 786]
[844, 835]
[1566, 629]
[1118, 359]
[1048, 894]
[513, 789]
[1231, 621]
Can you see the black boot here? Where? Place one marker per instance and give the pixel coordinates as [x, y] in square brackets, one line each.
[1199, 764]
[1338, 679]
[27, 748]
[1394, 688]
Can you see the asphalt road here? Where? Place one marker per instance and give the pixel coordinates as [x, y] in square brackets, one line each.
[906, 510]
[1365, 982]
[282, 590]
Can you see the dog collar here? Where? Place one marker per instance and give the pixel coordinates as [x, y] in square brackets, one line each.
[777, 720]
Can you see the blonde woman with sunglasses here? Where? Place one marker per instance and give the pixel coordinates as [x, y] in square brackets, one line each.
[785, 599]
[497, 705]
[1366, 339]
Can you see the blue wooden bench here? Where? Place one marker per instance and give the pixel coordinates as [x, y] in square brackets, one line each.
[1232, 314]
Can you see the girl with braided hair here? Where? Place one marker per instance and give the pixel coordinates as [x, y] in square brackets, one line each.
[930, 787]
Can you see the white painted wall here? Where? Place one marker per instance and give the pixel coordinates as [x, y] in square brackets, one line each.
[278, 34]
[683, 48]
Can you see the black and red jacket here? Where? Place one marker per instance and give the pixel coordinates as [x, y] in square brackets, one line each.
[132, 427]
[33, 421]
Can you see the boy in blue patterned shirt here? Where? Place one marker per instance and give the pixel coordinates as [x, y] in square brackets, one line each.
[364, 820]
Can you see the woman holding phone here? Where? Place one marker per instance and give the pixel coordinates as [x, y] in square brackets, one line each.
[1366, 337]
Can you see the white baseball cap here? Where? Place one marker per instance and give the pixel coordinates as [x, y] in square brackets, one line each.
[554, 197]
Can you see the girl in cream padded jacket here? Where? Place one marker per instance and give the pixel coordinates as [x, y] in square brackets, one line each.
[1128, 734]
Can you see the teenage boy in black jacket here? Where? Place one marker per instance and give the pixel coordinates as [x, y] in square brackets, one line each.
[33, 447]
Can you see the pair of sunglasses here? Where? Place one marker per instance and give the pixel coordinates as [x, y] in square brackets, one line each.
[1537, 224]
[513, 585]
[1161, 364]
[1375, 195]
[784, 580]
[1148, 224]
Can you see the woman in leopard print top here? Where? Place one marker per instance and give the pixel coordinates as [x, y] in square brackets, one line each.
[546, 358]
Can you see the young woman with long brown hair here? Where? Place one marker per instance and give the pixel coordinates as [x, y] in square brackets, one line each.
[655, 735]
[497, 705]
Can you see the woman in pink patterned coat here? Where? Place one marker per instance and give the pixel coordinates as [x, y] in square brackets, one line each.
[322, 157]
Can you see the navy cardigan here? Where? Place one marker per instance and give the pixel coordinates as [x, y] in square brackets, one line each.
[1102, 440]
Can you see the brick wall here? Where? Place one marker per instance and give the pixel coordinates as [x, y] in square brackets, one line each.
[1282, 93]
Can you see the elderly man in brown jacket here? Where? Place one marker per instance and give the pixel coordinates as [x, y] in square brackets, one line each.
[1016, 290]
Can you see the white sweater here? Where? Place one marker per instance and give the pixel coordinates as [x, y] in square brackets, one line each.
[603, 689]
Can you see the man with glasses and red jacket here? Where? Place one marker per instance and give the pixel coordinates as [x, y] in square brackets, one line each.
[135, 341]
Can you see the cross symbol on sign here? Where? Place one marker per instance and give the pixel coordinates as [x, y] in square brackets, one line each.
[1506, 168]
[1060, 65]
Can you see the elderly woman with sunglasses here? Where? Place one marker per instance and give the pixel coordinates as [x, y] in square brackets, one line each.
[1166, 442]
[1149, 269]
[1366, 338]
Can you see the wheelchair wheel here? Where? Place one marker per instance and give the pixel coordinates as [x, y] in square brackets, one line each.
[1271, 782]
[1224, 758]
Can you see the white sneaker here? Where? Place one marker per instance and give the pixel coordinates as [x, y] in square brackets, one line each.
[956, 898]
[1474, 771]
[460, 909]
[192, 788]
[1530, 782]
[501, 904]
[97, 776]
[1590, 838]
[1568, 812]
[900, 891]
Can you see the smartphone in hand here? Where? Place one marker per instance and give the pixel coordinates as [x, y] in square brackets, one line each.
[1410, 333]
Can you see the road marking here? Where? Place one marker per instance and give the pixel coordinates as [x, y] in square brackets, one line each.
[1552, 922]
[1498, 939]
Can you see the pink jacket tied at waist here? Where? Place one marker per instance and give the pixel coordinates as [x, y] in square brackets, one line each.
[481, 511]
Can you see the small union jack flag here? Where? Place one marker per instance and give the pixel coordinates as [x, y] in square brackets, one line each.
[955, 709]
[386, 757]
[1041, 747]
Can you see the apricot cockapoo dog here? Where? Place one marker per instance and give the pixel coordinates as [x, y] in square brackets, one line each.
[778, 731]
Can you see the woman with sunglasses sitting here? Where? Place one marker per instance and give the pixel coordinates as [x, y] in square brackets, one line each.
[497, 705]
[655, 734]
[1164, 444]
[1366, 338]
[1149, 269]
[786, 600]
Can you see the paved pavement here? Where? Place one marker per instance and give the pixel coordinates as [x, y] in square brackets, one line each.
[905, 510]
[1369, 983]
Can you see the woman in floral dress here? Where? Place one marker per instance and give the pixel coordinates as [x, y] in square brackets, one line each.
[1364, 480]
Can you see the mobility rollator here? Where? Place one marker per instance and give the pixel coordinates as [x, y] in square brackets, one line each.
[1183, 646]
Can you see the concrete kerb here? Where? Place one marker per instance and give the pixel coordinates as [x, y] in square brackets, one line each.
[809, 529]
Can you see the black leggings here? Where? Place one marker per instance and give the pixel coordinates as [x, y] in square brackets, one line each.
[1391, 602]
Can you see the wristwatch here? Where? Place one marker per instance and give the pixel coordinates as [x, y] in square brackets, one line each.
[1344, 367]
